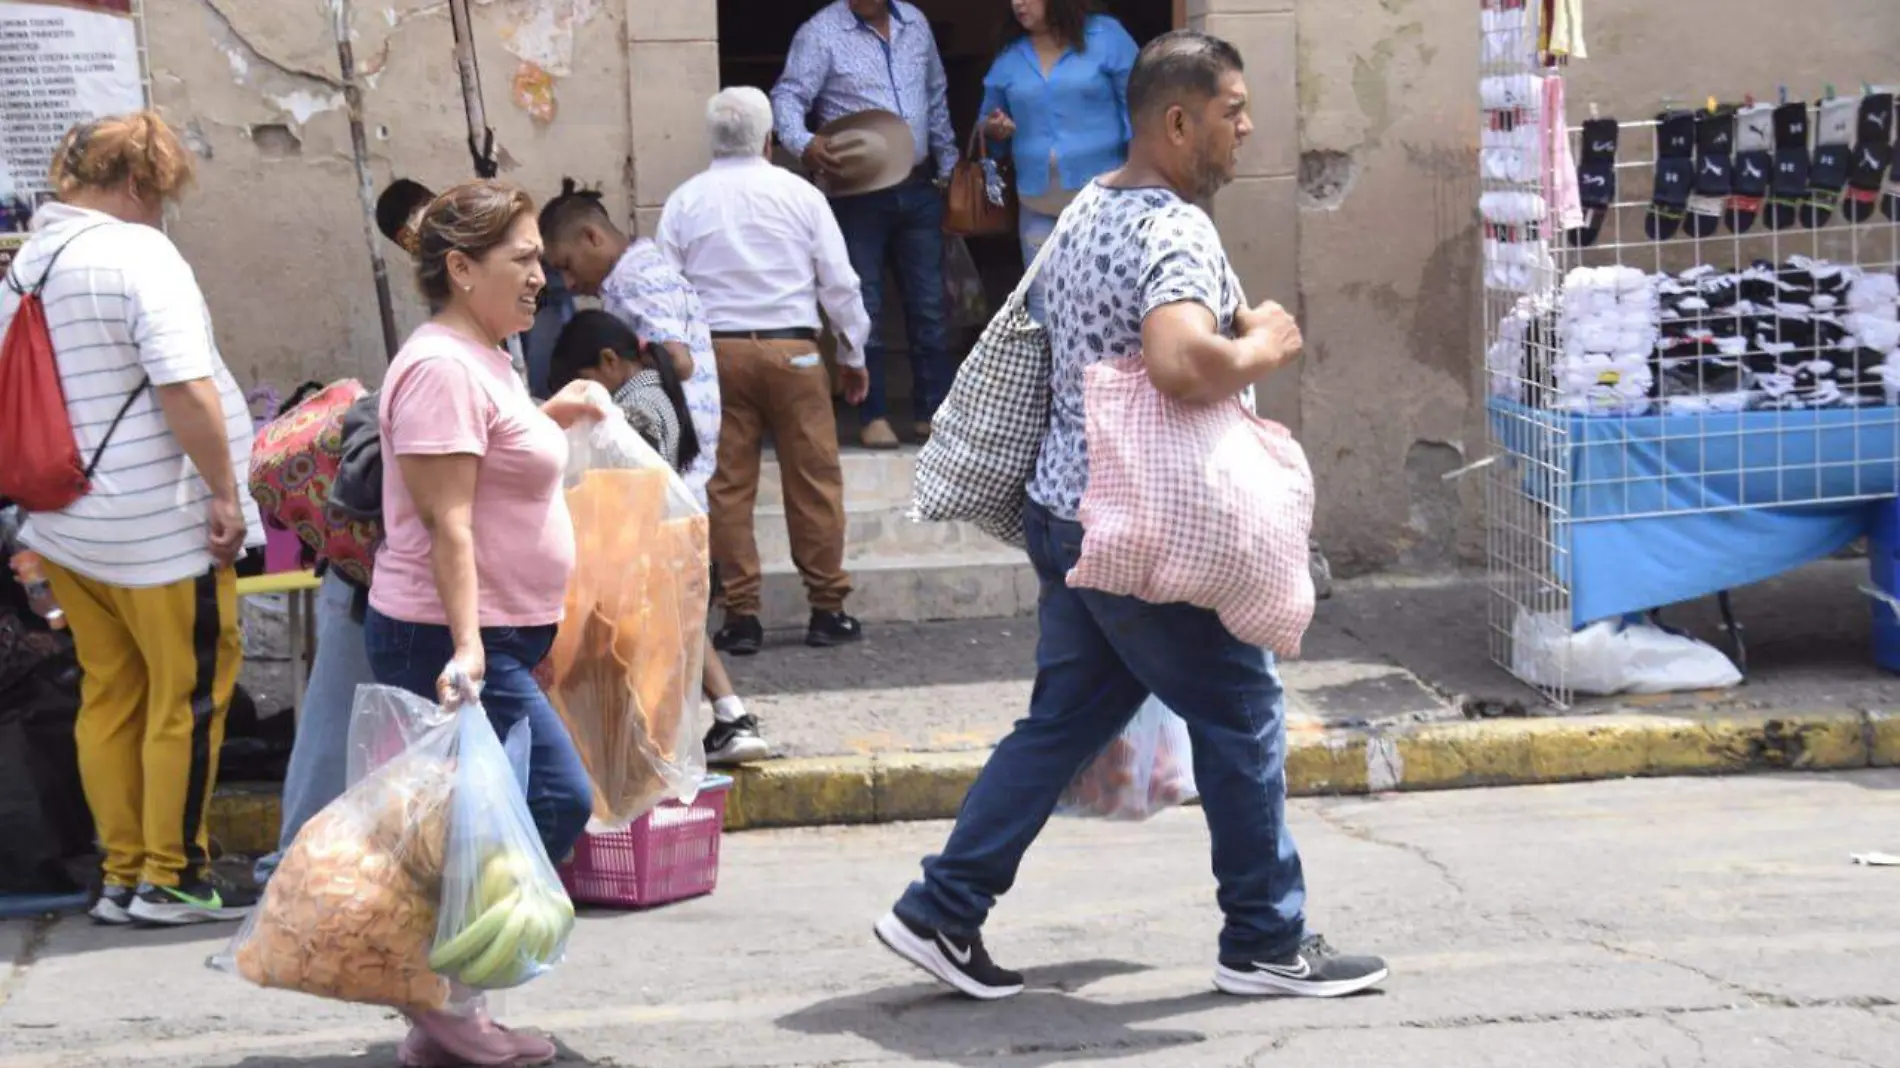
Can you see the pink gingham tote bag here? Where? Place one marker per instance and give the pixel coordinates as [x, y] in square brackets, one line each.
[1204, 504]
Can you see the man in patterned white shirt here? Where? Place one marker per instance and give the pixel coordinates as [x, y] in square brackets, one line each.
[1135, 267]
[870, 55]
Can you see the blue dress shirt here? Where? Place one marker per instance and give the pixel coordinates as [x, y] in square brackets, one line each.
[1079, 111]
[839, 66]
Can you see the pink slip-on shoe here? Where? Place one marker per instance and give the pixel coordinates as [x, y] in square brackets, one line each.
[449, 1040]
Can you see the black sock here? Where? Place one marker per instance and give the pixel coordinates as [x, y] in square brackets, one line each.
[1596, 178]
[1675, 175]
[1790, 184]
[1714, 171]
[1872, 156]
[1833, 155]
[1890, 200]
[1754, 164]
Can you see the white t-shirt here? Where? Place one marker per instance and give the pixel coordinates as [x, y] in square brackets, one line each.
[122, 304]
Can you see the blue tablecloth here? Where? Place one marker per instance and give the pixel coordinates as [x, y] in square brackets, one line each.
[1665, 509]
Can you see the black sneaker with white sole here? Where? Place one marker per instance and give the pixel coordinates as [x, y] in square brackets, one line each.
[1315, 971]
[114, 906]
[194, 901]
[960, 963]
[738, 742]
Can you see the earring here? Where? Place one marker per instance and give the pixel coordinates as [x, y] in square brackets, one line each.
[466, 288]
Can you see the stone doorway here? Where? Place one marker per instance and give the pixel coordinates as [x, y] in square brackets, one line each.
[753, 38]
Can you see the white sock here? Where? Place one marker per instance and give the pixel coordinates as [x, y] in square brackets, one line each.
[728, 710]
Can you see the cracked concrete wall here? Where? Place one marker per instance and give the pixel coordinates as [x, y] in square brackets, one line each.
[1356, 203]
[1391, 397]
[275, 231]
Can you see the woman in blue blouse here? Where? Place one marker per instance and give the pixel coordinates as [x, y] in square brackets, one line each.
[1057, 96]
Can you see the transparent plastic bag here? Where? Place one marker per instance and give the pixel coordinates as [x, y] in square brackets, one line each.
[503, 917]
[625, 670]
[1148, 769]
[963, 285]
[350, 914]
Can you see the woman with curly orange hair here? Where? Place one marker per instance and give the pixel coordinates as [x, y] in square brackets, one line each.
[142, 565]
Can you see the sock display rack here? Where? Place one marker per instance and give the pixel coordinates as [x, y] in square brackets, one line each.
[1691, 312]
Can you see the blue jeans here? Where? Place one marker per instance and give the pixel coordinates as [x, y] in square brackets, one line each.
[1098, 659]
[319, 760]
[1033, 229]
[412, 655]
[903, 226]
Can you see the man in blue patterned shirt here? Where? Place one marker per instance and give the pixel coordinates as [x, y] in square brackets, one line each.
[879, 55]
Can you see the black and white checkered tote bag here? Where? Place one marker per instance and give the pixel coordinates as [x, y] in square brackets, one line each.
[987, 435]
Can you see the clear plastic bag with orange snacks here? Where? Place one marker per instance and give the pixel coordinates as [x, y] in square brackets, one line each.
[626, 664]
[350, 913]
[1147, 769]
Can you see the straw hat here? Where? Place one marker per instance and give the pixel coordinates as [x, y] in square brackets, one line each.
[875, 150]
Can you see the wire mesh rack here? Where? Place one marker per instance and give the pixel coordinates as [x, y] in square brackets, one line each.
[1681, 346]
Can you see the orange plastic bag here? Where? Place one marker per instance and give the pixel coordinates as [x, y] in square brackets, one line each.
[626, 663]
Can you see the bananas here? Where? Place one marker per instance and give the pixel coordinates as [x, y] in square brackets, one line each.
[518, 930]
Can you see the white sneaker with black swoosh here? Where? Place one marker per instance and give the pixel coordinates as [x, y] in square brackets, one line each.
[1315, 971]
[960, 963]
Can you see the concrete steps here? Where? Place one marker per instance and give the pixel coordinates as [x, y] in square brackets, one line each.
[903, 572]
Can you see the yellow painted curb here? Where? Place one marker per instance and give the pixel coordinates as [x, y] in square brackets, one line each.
[244, 819]
[1883, 737]
[1512, 752]
[895, 788]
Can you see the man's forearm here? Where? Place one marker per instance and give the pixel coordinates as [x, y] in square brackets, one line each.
[195, 414]
[1212, 368]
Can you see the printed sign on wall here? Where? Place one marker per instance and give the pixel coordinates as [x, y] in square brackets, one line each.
[62, 62]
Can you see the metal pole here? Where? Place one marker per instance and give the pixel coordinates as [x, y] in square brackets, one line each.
[480, 137]
[365, 183]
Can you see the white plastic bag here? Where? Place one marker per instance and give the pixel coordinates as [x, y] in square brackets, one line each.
[350, 913]
[504, 917]
[1148, 769]
[1611, 657]
[625, 669]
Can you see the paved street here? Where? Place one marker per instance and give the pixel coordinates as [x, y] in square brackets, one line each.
[1645, 923]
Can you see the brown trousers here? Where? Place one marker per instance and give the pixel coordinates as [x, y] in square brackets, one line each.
[781, 388]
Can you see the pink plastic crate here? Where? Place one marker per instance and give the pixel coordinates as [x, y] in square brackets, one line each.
[669, 854]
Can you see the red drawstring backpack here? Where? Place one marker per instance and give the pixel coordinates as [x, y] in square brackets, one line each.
[40, 469]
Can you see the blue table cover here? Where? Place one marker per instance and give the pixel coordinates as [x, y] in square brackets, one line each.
[1665, 509]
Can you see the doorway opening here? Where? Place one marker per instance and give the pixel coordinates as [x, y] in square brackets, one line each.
[754, 36]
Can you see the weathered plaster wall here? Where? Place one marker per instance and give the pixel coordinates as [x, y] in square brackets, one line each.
[1361, 213]
[275, 230]
[1388, 244]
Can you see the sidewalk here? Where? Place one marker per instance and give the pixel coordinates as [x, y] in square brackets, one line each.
[1396, 691]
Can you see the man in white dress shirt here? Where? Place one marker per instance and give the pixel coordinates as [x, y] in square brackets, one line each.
[764, 252]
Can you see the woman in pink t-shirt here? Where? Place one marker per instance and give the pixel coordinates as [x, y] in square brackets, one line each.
[462, 439]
